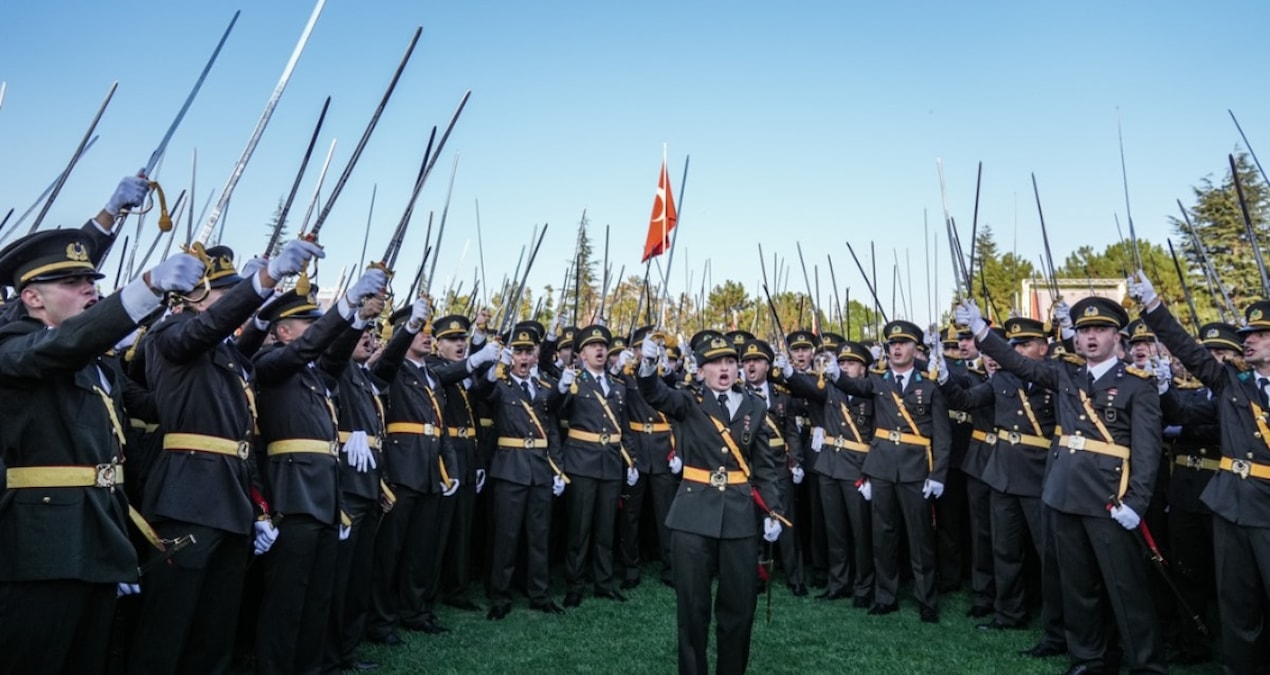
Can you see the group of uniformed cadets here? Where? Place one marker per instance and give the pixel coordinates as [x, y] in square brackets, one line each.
[366, 470]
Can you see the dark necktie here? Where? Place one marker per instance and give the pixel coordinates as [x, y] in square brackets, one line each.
[1261, 386]
[899, 383]
[525, 386]
[723, 403]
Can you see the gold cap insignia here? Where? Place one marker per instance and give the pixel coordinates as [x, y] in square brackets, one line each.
[455, 325]
[1015, 329]
[597, 333]
[896, 330]
[1255, 315]
[76, 251]
[522, 336]
[718, 343]
[752, 349]
[1140, 329]
[1212, 333]
[225, 262]
[1091, 310]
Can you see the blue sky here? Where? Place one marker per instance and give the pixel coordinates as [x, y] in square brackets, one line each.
[806, 121]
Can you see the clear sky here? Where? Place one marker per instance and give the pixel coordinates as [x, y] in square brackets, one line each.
[816, 122]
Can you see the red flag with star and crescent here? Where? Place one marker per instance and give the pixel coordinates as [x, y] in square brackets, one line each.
[663, 218]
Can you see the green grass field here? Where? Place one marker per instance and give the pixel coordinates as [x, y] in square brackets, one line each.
[805, 635]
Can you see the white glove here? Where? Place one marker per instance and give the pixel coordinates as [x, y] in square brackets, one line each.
[292, 258]
[932, 487]
[676, 464]
[480, 480]
[266, 534]
[817, 438]
[1124, 515]
[876, 351]
[690, 366]
[968, 314]
[1140, 287]
[487, 354]
[632, 476]
[832, 369]
[252, 267]
[345, 531]
[372, 282]
[181, 273]
[420, 312]
[359, 453]
[624, 358]
[566, 380]
[127, 589]
[557, 485]
[866, 490]
[505, 356]
[129, 194]
[771, 529]
[1063, 314]
[1163, 375]
[798, 474]
[781, 363]
[449, 491]
[651, 350]
[942, 364]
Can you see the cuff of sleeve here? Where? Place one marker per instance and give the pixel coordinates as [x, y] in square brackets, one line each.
[345, 308]
[413, 328]
[1068, 333]
[100, 228]
[359, 323]
[647, 367]
[260, 289]
[260, 324]
[138, 300]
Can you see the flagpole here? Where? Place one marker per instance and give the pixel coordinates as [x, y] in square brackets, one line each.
[674, 234]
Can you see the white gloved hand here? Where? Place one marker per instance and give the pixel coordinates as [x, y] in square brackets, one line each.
[480, 480]
[876, 351]
[650, 349]
[690, 366]
[266, 534]
[557, 485]
[129, 194]
[420, 312]
[942, 364]
[449, 491]
[505, 356]
[1140, 288]
[567, 376]
[676, 464]
[832, 370]
[817, 438]
[1163, 375]
[292, 258]
[771, 529]
[624, 358]
[372, 282]
[866, 490]
[360, 456]
[127, 589]
[345, 531]
[181, 273]
[797, 474]
[487, 354]
[632, 476]
[1063, 314]
[252, 267]
[932, 487]
[968, 314]
[1126, 516]
[781, 363]
[553, 330]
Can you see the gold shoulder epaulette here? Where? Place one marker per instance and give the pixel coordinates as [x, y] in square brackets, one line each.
[780, 389]
[1140, 372]
[878, 371]
[1072, 358]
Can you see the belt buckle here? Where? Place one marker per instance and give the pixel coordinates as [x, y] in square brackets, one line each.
[990, 438]
[1193, 462]
[604, 439]
[244, 449]
[838, 442]
[960, 416]
[529, 444]
[719, 479]
[105, 477]
[893, 436]
[462, 432]
[1241, 467]
[335, 448]
[1076, 442]
[429, 430]
[648, 427]
[1014, 437]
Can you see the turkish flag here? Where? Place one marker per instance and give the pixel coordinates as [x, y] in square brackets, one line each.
[663, 218]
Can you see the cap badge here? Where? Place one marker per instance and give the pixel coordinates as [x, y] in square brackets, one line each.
[76, 251]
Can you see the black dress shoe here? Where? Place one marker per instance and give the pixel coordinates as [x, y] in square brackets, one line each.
[460, 602]
[611, 595]
[547, 607]
[359, 666]
[979, 611]
[834, 595]
[1041, 650]
[1083, 669]
[628, 584]
[428, 626]
[387, 640]
[880, 610]
[860, 602]
[798, 590]
[995, 625]
[572, 599]
[497, 612]
[929, 614]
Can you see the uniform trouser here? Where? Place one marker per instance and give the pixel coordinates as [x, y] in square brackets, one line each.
[55, 626]
[1243, 592]
[698, 559]
[978, 497]
[405, 552]
[592, 507]
[518, 507]
[1100, 560]
[1193, 569]
[457, 566]
[1013, 517]
[791, 554]
[660, 489]
[818, 547]
[189, 605]
[896, 504]
[354, 563]
[299, 581]
[849, 532]
[1053, 633]
[951, 530]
